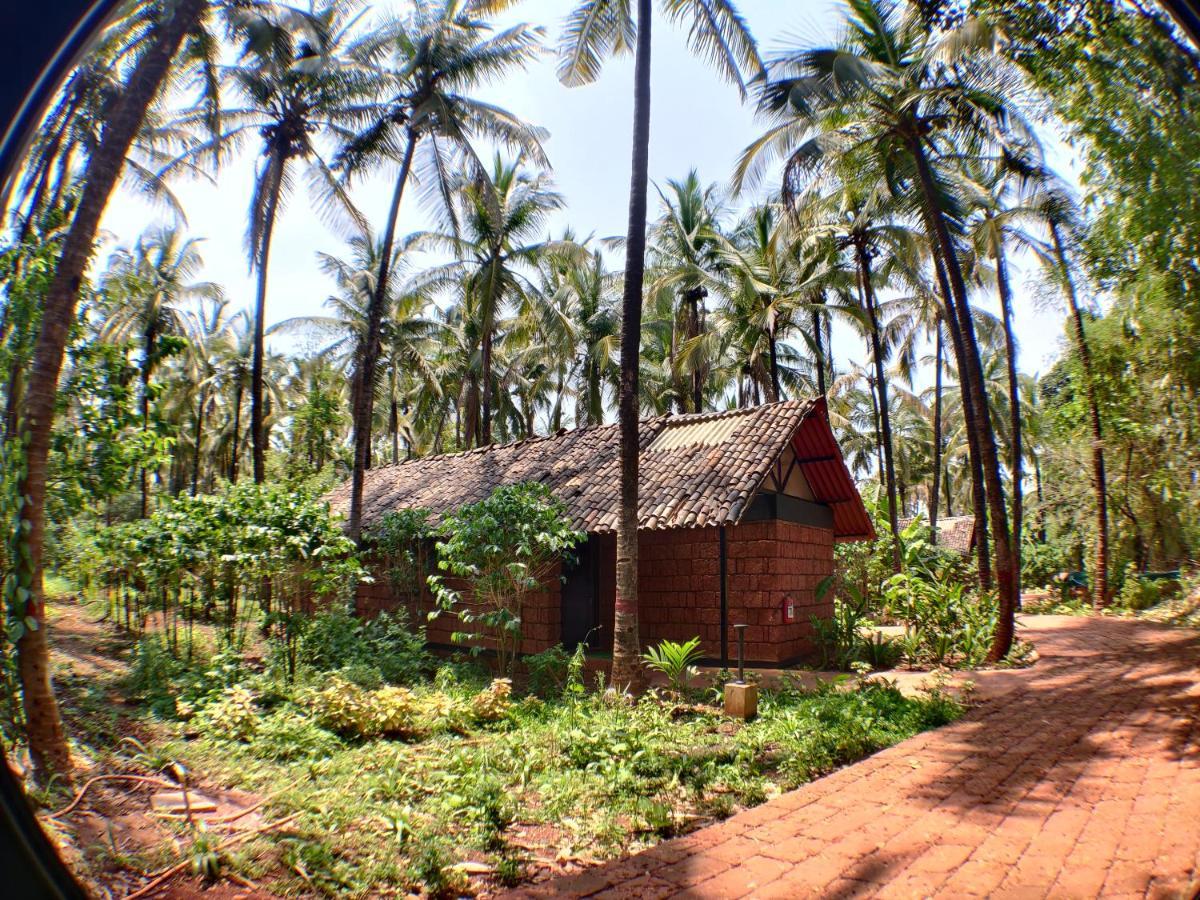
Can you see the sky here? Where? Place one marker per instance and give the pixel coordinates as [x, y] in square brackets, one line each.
[697, 121]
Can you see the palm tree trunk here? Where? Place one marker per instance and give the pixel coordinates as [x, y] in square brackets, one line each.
[237, 432]
[776, 393]
[980, 418]
[364, 397]
[485, 391]
[880, 466]
[47, 742]
[939, 351]
[394, 427]
[258, 438]
[626, 671]
[974, 453]
[820, 345]
[885, 418]
[1099, 479]
[199, 435]
[150, 349]
[1014, 402]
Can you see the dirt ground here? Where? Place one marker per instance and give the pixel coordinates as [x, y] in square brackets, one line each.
[116, 842]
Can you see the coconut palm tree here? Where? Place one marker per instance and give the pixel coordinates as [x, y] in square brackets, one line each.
[903, 96]
[294, 79]
[497, 255]
[405, 329]
[1060, 218]
[47, 742]
[430, 60]
[586, 295]
[594, 30]
[685, 259]
[147, 288]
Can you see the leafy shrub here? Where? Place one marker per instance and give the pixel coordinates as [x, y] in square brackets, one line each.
[1139, 593]
[343, 708]
[289, 735]
[233, 717]
[503, 547]
[944, 624]
[401, 539]
[881, 652]
[362, 674]
[839, 638]
[152, 674]
[493, 703]
[339, 641]
[390, 711]
[676, 661]
[548, 671]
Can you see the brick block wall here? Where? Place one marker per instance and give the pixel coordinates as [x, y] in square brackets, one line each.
[679, 587]
[542, 626]
[768, 563]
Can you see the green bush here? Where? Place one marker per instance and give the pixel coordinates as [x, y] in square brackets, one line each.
[548, 671]
[944, 623]
[503, 547]
[338, 641]
[839, 638]
[1139, 593]
[234, 717]
[288, 734]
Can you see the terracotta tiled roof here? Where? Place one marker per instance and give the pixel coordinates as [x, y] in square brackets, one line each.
[954, 532]
[694, 470]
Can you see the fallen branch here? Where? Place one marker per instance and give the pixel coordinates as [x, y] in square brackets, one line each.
[223, 820]
[145, 779]
[167, 874]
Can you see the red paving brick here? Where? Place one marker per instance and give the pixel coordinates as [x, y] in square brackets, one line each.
[1079, 777]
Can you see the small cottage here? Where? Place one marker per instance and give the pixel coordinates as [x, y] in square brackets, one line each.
[739, 513]
[955, 533]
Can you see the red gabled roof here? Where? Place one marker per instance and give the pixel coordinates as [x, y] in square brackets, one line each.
[694, 471]
[824, 468]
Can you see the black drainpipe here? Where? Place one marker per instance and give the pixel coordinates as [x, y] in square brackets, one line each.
[724, 602]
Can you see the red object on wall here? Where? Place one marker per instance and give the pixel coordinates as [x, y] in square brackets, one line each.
[787, 609]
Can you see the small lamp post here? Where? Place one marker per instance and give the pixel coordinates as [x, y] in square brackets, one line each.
[741, 699]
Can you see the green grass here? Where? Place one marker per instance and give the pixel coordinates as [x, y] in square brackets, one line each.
[584, 772]
[606, 775]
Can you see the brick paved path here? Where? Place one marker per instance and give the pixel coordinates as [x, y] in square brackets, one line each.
[1079, 777]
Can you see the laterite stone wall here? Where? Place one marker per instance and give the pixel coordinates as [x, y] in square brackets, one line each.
[542, 626]
[679, 587]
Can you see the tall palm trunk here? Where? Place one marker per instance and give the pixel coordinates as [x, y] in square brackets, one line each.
[772, 346]
[150, 350]
[1004, 289]
[974, 452]
[237, 431]
[47, 742]
[880, 465]
[863, 257]
[820, 345]
[394, 428]
[485, 391]
[364, 396]
[626, 670]
[199, 436]
[258, 438]
[1099, 479]
[979, 420]
[939, 351]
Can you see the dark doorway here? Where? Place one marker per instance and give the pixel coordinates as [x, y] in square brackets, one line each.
[581, 599]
